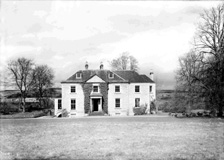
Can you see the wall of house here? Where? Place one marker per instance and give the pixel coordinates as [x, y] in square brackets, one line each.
[124, 97]
[144, 94]
[87, 88]
[67, 96]
[127, 96]
[104, 92]
[153, 93]
[56, 110]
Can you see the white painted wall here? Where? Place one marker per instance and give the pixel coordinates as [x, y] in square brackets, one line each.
[67, 96]
[128, 96]
[56, 110]
[123, 95]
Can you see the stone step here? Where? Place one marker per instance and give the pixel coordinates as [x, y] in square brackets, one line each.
[97, 113]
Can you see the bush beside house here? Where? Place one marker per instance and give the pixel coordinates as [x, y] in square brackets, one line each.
[140, 110]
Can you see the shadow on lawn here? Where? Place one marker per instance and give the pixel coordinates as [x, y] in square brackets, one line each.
[42, 158]
[128, 157]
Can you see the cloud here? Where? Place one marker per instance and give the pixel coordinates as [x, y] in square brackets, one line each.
[130, 23]
[65, 35]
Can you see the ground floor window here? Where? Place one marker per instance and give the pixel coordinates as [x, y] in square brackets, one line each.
[73, 104]
[117, 103]
[59, 104]
[137, 102]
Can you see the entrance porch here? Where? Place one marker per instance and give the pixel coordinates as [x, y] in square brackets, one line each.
[96, 103]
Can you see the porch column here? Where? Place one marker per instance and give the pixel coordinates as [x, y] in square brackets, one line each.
[100, 105]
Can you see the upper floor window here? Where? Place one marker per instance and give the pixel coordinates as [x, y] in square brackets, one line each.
[117, 103]
[117, 88]
[150, 89]
[96, 89]
[78, 75]
[111, 75]
[73, 104]
[59, 104]
[137, 88]
[137, 102]
[73, 89]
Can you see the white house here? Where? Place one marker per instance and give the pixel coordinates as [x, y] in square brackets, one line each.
[110, 92]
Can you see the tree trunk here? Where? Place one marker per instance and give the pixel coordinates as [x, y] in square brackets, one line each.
[24, 104]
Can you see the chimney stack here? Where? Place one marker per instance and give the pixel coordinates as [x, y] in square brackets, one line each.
[86, 66]
[101, 65]
[151, 75]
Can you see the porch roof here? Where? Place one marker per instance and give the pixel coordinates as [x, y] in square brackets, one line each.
[96, 95]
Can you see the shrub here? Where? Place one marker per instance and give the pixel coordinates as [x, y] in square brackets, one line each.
[32, 106]
[152, 107]
[34, 114]
[39, 114]
[140, 110]
[64, 113]
[8, 107]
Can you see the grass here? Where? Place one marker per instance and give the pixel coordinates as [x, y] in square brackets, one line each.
[113, 138]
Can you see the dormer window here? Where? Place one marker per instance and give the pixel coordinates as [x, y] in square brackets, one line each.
[111, 75]
[78, 75]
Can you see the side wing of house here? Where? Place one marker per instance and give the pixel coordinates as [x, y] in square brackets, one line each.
[72, 99]
[123, 97]
[141, 94]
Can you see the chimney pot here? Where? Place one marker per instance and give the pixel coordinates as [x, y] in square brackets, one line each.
[101, 65]
[151, 75]
[86, 66]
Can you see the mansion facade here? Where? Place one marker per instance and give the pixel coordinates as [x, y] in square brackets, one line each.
[110, 92]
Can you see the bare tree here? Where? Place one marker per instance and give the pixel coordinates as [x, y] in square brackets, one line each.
[205, 67]
[43, 80]
[209, 44]
[124, 62]
[190, 66]
[133, 63]
[21, 71]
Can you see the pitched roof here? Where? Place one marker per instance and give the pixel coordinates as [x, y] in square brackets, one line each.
[134, 77]
[118, 76]
[88, 74]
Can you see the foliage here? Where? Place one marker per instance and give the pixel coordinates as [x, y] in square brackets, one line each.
[64, 113]
[8, 107]
[43, 80]
[124, 62]
[152, 106]
[140, 110]
[201, 72]
[34, 114]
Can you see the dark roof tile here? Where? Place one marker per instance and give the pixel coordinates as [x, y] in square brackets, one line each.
[119, 76]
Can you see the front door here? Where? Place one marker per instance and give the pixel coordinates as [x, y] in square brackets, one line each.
[96, 103]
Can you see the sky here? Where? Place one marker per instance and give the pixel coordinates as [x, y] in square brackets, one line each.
[66, 34]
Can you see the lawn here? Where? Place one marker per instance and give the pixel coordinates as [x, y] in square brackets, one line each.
[112, 138]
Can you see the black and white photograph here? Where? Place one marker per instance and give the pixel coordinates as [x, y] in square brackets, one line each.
[111, 80]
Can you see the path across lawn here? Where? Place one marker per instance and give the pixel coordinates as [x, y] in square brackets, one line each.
[112, 138]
